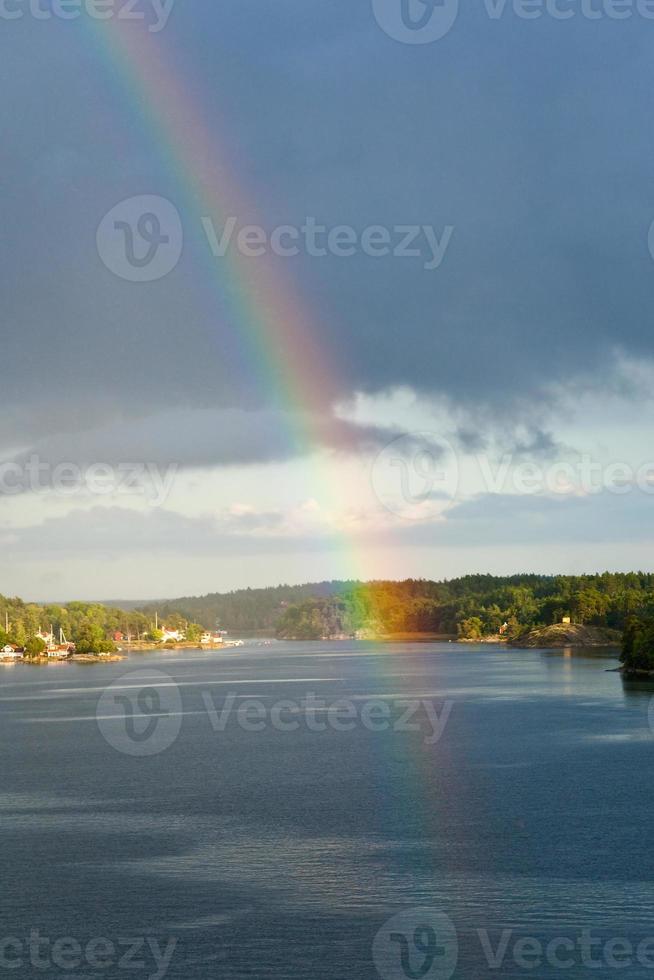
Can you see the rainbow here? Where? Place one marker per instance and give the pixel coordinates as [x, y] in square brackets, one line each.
[278, 336]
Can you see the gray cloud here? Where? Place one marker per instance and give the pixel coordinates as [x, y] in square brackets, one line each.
[503, 520]
[203, 438]
[495, 130]
[107, 533]
[531, 138]
[490, 520]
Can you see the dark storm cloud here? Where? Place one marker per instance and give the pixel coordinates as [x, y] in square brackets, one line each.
[532, 139]
[200, 438]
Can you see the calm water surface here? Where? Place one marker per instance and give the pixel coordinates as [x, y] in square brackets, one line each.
[281, 853]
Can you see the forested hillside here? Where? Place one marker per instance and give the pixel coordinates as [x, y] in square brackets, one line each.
[474, 606]
[471, 606]
[244, 610]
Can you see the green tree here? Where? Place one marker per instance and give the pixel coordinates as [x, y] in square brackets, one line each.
[638, 644]
[194, 633]
[18, 633]
[90, 638]
[35, 647]
[514, 629]
[470, 629]
[492, 619]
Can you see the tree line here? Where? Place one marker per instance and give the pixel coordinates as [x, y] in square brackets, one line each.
[473, 606]
[243, 610]
[89, 625]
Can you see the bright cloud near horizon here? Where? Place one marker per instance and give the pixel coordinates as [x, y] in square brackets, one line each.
[286, 298]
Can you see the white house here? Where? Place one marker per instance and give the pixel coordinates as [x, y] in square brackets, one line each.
[208, 637]
[58, 653]
[175, 635]
[11, 653]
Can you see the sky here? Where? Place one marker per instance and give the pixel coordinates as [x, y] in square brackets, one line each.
[295, 291]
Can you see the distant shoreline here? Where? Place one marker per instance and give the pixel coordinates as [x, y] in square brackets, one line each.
[549, 637]
[78, 658]
[559, 636]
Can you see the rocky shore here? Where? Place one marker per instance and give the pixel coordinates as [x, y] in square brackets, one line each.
[568, 635]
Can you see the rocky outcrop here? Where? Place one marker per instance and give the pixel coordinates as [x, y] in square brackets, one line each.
[568, 635]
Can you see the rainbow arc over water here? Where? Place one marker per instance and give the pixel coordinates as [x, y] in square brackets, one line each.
[278, 333]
